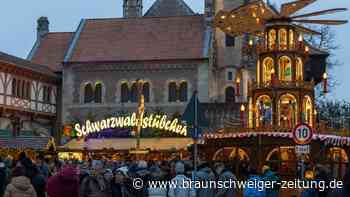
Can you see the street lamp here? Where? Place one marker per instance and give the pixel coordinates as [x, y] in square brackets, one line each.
[325, 83]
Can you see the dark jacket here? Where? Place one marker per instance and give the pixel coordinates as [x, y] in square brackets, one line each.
[39, 184]
[65, 183]
[3, 180]
[93, 186]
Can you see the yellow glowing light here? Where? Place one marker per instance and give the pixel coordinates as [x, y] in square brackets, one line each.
[228, 28]
[251, 42]
[307, 49]
[315, 112]
[238, 80]
[151, 121]
[273, 71]
[223, 17]
[254, 14]
[300, 39]
[242, 108]
[258, 20]
[325, 75]
[233, 16]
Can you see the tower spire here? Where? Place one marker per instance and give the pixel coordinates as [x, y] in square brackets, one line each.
[132, 8]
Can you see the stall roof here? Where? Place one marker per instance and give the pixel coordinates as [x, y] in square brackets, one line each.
[129, 143]
[37, 143]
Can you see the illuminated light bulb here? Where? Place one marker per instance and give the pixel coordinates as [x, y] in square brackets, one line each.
[307, 49]
[257, 20]
[262, 10]
[273, 71]
[228, 28]
[233, 16]
[242, 108]
[238, 80]
[251, 42]
[223, 17]
[300, 39]
[294, 4]
[325, 75]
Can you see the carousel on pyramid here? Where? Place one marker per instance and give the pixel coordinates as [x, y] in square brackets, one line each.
[279, 124]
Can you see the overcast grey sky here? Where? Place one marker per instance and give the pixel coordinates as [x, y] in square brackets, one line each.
[18, 25]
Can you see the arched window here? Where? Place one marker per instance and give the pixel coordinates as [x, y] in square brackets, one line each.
[268, 67]
[307, 110]
[282, 39]
[133, 93]
[230, 95]
[146, 91]
[231, 153]
[263, 111]
[291, 39]
[124, 92]
[285, 68]
[183, 91]
[300, 69]
[287, 111]
[272, 39]
[172, 94]
[284, 159]
[14, 87]
[88, 93]
[98, 92]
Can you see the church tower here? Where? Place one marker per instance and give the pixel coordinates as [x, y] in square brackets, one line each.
[132, 8]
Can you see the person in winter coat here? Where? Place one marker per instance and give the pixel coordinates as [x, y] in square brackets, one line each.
[38, 182]
[205, 174]
[255, 190]
[118, 184]
[271, 176]
[65, 183]
[345, 190]
[20, 185]
[94, 185]
[157, 175]
[309, 192]
[181, 180]
[224, 175]
[3, 177]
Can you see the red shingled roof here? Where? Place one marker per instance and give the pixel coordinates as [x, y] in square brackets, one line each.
[52, 49]
[137, 39]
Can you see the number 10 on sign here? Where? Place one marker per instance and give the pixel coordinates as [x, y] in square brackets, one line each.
[302, 134]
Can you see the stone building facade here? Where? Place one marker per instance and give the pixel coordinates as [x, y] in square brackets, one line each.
[171, 48]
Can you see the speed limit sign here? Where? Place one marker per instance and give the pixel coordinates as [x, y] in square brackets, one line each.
[302, 134]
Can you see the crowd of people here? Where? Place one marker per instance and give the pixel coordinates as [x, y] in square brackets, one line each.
[24, 177]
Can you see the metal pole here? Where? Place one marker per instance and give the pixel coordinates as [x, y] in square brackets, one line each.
[195, 133]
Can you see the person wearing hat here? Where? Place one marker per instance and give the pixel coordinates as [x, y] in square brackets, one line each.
[224, 174]
[156, 174]
[205, 174]
[270, 176]
[94, 185]
[64, 183]
[181, 180]
[118, 183]
[309, 192]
